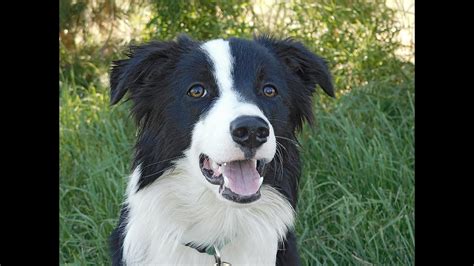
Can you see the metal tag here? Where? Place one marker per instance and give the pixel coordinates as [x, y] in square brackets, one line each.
[217, 257]
[222, 264]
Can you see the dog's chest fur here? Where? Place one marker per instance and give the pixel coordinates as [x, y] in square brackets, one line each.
[176, 210]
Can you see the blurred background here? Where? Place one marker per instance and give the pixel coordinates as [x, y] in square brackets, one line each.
[357, 189]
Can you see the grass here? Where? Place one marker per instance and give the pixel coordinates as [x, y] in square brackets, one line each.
[95, 151]
[357, 191]
[356, 202]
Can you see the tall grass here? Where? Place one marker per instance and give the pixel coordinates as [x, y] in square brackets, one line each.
[95, 149]
[357, 189]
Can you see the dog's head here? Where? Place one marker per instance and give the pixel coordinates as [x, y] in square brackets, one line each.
[218, 107]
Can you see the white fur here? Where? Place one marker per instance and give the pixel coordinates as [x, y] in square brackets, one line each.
[181, 206]
[176, 209]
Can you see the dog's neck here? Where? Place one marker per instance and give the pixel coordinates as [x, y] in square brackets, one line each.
[176, 209]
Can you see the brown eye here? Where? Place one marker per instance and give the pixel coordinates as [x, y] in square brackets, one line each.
[269, 91]
[197, 91]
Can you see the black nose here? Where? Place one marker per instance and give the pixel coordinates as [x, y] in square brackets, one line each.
[249, 131]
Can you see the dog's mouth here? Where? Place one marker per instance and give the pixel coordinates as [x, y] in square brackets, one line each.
[238, 181]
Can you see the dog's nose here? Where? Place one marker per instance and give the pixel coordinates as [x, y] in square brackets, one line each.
[249, 131]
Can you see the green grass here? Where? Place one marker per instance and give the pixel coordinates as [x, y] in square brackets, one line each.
[356, 202]
[95, 150]
[357, 191]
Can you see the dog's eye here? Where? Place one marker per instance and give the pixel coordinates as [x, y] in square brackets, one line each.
[197, 91]
[269, 91]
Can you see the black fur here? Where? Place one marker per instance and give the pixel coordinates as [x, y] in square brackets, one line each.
[116, 238]
[305, 69]
[165, 117]
[157, 76]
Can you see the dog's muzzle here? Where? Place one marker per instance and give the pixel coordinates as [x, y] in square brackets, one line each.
[238, 181]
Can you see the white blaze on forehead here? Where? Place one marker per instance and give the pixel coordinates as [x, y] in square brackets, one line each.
[221, 57]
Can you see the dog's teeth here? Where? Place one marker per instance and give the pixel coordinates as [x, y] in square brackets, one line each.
[254, 162]
[224, 164]
[214, 165]
[226, 180]
[260, 181]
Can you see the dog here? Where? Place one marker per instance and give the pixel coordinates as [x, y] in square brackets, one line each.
[216, 161]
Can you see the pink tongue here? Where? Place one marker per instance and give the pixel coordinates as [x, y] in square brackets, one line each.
[243, 177]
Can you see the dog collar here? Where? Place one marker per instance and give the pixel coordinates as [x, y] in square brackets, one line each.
[207, 249]
[212, 251]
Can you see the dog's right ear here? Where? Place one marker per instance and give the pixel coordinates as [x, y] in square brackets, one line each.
[144, 60]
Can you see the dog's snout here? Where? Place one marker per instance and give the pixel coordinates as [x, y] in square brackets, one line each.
[249, 131]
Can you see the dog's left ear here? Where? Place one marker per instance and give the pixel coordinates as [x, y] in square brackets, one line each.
[311, 69]
[129, 75]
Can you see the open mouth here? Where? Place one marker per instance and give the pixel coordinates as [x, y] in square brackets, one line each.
[238, 181]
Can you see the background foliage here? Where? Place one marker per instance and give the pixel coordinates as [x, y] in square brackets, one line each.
[357, 189]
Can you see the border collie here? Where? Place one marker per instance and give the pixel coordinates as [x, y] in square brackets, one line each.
[216, 161]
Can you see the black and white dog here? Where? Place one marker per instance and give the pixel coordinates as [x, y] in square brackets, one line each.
[216, 162]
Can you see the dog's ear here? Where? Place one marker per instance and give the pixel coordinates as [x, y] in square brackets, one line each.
[311, 69]
[130, 74]
[307, 70]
